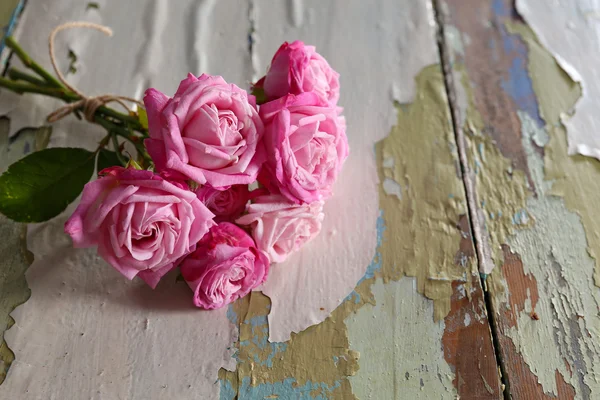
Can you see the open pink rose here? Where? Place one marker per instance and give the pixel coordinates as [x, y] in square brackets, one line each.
[228, 204]
[142, 224]
[279, 227]
[307, 146]
[225, 266]
[208, 132]
[297, 68]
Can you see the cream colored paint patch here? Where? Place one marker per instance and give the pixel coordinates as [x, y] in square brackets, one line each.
[401, 354]
[378, 48]
[571, 31]
[86, 332]
[554, 252]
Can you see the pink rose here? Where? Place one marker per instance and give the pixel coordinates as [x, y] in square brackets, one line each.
[307, 146]
[296, 69]
[279, 227]
[142, 224]
[208, 132]
[228, 204]
[225, 266]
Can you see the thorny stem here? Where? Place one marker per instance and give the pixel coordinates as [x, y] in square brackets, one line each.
[121, 131]
[115, 142]
[103, 142]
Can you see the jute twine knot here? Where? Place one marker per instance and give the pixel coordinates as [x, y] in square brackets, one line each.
[89, 105]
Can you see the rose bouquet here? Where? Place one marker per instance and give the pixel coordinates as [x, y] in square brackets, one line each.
[224, 183]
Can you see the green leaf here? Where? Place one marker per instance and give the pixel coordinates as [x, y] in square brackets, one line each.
[107, 158]
[143, 117]
[260, 95]
[41, 185]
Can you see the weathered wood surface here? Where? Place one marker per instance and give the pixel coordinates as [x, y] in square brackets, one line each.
[416, 325]
[535, 204]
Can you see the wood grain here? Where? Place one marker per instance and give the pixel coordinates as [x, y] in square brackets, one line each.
[467, 337]
[509, 97]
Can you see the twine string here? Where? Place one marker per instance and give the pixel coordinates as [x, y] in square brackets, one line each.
[90, 104]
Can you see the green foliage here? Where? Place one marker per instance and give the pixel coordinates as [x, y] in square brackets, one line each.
[107, 158]
[41, 185]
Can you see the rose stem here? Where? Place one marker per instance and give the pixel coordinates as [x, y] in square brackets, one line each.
[12, 44]
[115, 143]
[63, 94]
[66, 95]
[17, 75]
[121, 131]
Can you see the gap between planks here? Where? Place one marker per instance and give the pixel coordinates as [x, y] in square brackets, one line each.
[469, 185]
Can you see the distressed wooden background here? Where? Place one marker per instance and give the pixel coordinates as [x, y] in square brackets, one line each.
[472, 175]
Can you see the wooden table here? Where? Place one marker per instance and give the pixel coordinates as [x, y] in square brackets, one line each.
[455, 94]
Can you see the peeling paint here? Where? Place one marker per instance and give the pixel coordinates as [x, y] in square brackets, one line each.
[14, 256]
[406, 343]
[554, 250]
[427, 216]
[544, 293]
[317, 360]
[467, 321]
[501, 190]
[322, 357]
[570, 31]
[544, 297]
[392, 188]
[14, 260]
[576, 178]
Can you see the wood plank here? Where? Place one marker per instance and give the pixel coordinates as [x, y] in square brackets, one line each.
[509, 95]
[14, 256]
[430, 338]
[424, 264]
[86, 332]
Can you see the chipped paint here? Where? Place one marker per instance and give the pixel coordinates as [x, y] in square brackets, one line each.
[316, 362]
[543, 295]
[468, 332]
[404, 354]
[522, 287]
[14, 256]
[14, 260]
[501, 190]
[453, 38]
[319, 355]
[392, 188]
[576, 178]
[389, 33]
[570, 31]
[427, 172]
[552, 252]
[324, 357]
